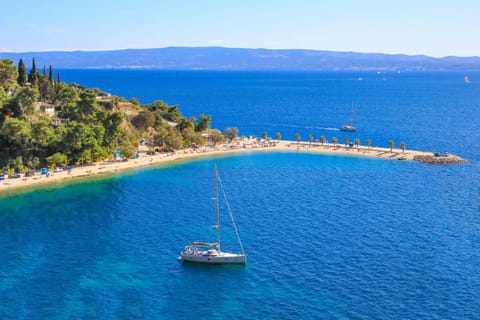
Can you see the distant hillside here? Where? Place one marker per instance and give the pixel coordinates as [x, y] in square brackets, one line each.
[218, 58]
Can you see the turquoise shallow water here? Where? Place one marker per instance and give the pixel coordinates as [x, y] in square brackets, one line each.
[327, 237]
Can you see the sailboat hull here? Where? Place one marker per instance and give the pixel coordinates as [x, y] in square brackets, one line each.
[220, 258]
[348, 128]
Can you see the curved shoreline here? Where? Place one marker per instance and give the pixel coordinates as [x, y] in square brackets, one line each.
[112, 168]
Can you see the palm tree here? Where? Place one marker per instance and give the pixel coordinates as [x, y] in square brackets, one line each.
[334, 140]
[391, 144]
[264, 135]
[345, 141]
[369, 143]
[322, 139]
[357, 142]
[297, 137]
[278, 136]
[403, 145]
[310, 138]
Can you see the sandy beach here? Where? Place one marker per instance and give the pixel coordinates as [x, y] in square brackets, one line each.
[113, 167]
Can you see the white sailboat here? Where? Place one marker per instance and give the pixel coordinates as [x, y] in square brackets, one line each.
[211, 253]
[350, 127]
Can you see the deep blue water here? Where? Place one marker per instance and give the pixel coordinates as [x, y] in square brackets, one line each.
[428, 111]
[327, 237]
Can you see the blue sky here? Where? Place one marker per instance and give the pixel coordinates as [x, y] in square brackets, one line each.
[436, 28]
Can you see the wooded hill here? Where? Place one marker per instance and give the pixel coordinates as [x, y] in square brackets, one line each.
[219, 58]
[46, 122]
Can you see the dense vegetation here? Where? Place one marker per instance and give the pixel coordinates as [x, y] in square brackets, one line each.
[46, 122]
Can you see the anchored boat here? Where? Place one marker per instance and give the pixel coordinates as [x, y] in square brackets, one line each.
[350, 127]
[211, 253]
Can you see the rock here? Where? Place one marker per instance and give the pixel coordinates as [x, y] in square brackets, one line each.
[436, 159]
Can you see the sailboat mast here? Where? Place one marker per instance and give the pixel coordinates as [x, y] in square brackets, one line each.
[217, 208]
[353, 118]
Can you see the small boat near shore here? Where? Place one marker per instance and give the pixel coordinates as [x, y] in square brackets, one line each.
[211, 253]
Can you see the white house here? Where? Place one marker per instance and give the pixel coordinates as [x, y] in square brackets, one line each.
[47, 108]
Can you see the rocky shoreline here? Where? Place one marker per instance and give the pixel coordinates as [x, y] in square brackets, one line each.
[435, 158]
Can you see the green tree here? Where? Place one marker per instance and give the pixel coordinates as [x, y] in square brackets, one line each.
[203, 123]
[357, 142]
[174, 139]
[369, 143]
[8, 74]
[50, 74]
[298, 137]
[67, 97]
[33, 74]
[16, 133]
[46, 89]
[191, 137]
[57, 159]
[391, 144]
[143, 120]
[25, 101]
[345, 141]
[18, 164]
[35, 163]
[160, 137]
[231, 133]
[403, 146]
[158, 105]
[87, 106]
[111, 122]
[3, 98]
[42, 134]
[128, 146]
[310, 138]
[185, 123]
[58, 78]
[334, 140]
[322, 139]
[173, 114]
[216, 136]
[278, 136]
[81, 142]
[264, 135]
[22, 73]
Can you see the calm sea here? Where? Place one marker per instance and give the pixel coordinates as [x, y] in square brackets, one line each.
[327, 237]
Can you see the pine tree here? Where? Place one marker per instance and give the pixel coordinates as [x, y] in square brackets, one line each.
[33, 75]
[58, 77]
[50, 74]
[22, 73]
[44, 71]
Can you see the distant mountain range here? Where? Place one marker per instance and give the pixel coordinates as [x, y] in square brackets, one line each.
[219, 58]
